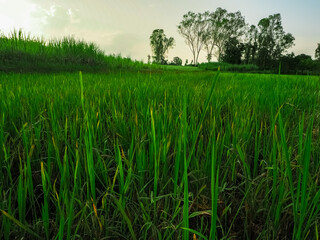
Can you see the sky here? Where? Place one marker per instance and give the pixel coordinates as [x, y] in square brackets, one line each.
[124, 26]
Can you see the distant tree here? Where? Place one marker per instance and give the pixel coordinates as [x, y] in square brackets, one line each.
[272, 40]
[250, 44]
[289, 64]
[149, 59]
[305, 63]
[177, 61]
[317, 53]
[160, 45]
[232, 51]
[300, 64]
[222, 26]
[192, 28]
[186, 63]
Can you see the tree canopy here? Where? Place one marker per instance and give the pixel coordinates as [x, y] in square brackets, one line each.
[317, 53]
[229, 38]
[272, 40]
[192, 28]
[222, 26]
[160, 45]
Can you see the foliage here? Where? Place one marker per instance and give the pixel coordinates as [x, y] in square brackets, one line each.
[159, 156]
[192, 28]
[317, 52]
[160, 45]
[228, 37]
[176, 61]
[227, 67]
[222, 26]
[22, 53]
[210, 31]
[232, 51]
[272, 40]
[300, 64]
[250, 44]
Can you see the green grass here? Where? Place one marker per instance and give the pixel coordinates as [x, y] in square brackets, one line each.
[179, 68]
[227, 67]
[159, 155]
[23, 53]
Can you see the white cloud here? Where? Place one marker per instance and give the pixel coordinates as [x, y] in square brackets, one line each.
[16, 15]
[103, 25]
[53, 20]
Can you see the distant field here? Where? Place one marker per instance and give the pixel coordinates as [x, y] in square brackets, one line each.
[150, 155]
[180, 68]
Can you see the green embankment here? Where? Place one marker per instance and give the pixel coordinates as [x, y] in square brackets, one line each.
[23, 53]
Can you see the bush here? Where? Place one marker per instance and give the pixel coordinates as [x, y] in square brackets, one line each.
[176, 61]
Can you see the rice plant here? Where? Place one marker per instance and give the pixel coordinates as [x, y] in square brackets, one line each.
[159, 155]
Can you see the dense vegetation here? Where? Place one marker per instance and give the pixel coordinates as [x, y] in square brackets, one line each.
[227, 67]
[23, 53]
[162, 155]
[226, 36]
[295, 65]
[161, 152]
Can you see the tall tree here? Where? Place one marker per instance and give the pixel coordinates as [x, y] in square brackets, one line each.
[250, 44]
[222, 27]
[317, 53]
[213, 31]
[192, 28]
[272, 40]
[232, 51]
[160, 45]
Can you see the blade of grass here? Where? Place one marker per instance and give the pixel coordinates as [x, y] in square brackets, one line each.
[20, 224]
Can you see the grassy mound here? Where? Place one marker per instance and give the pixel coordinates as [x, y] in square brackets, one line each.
[22, 53]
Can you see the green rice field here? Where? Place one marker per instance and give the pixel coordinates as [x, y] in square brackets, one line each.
[159, 155]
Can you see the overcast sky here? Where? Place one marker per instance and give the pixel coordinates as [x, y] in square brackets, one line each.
[124, 26]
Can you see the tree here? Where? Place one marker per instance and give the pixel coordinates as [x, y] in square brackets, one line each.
[300, 64]
[232, 51]
[160, 45]
[305, 63]
[289, 64]
[250, 44]
[192, 28]
[177, 61]
[222, 26]
[272, 40]
[317, 53]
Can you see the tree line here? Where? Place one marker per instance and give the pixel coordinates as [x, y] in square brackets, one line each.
[227, 37]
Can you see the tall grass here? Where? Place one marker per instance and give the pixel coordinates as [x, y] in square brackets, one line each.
[227, 67]
[162, 155]
[20, 52]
